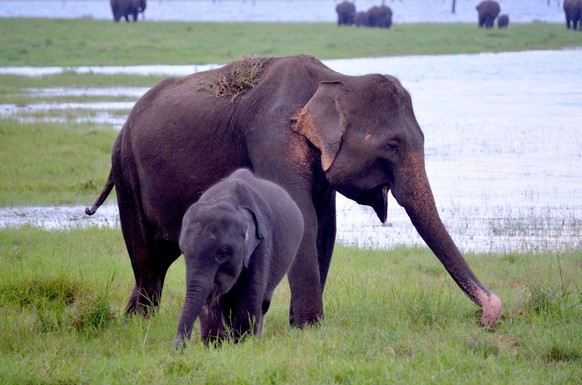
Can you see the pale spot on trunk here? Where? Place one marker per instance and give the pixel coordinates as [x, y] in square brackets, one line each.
[491, 305]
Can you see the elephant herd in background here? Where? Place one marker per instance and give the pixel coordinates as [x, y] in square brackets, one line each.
[375, 17]
[488, 11]
[381, 16]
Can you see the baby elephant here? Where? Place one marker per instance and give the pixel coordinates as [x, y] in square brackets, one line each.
[238, 242]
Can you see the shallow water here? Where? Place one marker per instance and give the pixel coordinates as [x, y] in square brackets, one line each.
[404, 11]
[503, 150]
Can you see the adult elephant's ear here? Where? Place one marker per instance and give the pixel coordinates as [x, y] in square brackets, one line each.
[253, 234]
[322, 122]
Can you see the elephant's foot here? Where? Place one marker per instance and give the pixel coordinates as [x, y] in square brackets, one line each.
[491, 305]
[143, 302]
[305, 320]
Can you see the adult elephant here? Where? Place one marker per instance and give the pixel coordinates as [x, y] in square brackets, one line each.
[297, 123]
[488, 11]
[346, 13]
[361, 19]
[127, 8]
[380, 16]
[573, 12]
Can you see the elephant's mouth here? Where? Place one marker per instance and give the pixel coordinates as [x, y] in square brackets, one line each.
[377, 198]
[380, 202]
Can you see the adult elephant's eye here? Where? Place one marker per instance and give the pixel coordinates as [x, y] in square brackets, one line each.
[393, 146]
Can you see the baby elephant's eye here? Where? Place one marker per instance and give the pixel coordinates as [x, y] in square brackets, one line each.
[223, 253]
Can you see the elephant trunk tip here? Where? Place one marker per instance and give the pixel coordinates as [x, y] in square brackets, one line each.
[491, 305]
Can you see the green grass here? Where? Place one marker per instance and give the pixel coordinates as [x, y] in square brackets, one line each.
[52, 163]
[391, 317]
[75, 42]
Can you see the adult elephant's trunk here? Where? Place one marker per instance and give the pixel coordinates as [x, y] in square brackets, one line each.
[413, 192]
[197, 292]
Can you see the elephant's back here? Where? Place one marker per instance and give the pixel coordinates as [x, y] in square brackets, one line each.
[178, 146]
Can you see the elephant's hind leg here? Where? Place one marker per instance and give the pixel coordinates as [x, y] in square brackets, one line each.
[150, 259]
[150, 266]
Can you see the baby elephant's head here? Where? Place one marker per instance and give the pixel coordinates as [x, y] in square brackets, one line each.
[217, 242]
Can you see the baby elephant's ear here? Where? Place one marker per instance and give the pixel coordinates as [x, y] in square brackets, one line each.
[253, 233]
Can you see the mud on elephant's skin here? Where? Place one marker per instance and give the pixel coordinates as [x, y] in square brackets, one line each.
[307, 128]
[573, 13]
[487, 11]
[238, 242]
[127, 8]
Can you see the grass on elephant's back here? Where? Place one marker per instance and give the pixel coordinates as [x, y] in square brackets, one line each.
[76, 42]
[390, 315]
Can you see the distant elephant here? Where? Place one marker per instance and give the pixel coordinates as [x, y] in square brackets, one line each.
[488, 11]
[127, 8]
[361, 19]
[573, 12]
[293, 121]
[503, 21]
[346, 13]
[380, 16]
[239, 239]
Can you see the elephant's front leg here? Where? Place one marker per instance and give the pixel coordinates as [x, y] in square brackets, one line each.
[326, 215]
[304, 278]
[212, 328]
[243, 304]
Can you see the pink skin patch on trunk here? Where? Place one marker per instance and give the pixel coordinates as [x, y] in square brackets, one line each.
[491, 305]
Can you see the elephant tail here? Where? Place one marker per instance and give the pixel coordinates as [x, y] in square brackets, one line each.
[104, 194]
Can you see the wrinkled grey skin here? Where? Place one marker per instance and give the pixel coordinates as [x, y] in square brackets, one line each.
[503, 21]
[127, 8]
[346, 12]
[238, 241]
[573, 13]
[307, 128]
[488, 11]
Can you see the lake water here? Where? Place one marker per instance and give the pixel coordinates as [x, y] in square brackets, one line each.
[405, 11]
[503, 147]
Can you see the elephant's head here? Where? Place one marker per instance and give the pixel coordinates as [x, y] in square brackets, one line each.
[217, 241]
[371, 143]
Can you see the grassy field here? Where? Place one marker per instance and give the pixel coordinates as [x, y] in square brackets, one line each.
[51, 163]
[392, 316]
[52, 42]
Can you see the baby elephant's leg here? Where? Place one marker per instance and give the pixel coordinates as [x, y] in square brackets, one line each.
[212, 328]
[244, 316]
[261, 325]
